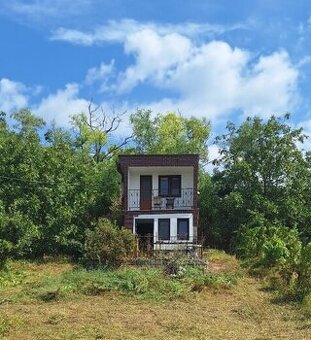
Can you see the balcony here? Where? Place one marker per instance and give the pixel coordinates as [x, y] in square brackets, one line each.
[156, 202]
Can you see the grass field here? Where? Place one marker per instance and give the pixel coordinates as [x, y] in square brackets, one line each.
[53, 301]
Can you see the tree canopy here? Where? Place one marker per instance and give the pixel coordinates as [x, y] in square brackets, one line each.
[262, 179]
[170, 133]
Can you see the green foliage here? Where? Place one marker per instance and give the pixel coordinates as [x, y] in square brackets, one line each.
[280, 255]
[271, 246]
[51, 191]
[147, 283]
[90, 137]
[5, 249]
[22, 234]
[170, 133]
[4, 326]
[144, 282]
[262, 180]
[304, 272]
[107, 245]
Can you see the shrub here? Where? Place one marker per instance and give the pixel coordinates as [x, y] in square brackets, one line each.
[108, 246]
[5, 248]
[271, 246]
[22, 234]
[275, 252]
[304, 272]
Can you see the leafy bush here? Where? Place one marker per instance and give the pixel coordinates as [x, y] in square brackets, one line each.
[304, 272]
[5, 248]
[22, 234]
[279, 254]
[106, 245]
[271, 246]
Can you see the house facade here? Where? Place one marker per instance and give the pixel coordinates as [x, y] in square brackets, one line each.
[160, 198]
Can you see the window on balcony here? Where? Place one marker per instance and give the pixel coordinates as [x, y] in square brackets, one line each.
[164, 229]
[183, 229]
[170, 186]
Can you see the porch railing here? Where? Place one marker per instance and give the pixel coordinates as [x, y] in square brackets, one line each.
[157, 202]
[148, 244]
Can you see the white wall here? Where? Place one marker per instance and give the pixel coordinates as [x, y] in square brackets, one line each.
[173, 226]
[134, 174]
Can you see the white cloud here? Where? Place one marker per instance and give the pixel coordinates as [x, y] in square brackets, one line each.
[271, 87]
[74, 36]
[155, 57]
[103, 73]
[40, 10]
[198, 77]
[210, 79]
[13, 95]
[118, 31]
[208, 82]
[306, 60]
[61, 105]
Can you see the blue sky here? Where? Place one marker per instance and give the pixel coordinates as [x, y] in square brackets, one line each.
[219, 59]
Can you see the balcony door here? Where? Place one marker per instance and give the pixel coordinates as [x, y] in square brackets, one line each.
[145, 192]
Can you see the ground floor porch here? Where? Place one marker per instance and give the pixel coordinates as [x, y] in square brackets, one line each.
[165, 232]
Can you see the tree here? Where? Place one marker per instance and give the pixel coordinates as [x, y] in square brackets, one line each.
[261, 178]
[94, 132]
[170, 133]
[51, 190]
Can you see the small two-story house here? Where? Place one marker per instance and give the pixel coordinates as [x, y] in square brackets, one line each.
[160, 198]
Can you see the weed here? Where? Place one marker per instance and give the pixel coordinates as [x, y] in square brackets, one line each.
[246, 312]
[4, 325]
[55, 319]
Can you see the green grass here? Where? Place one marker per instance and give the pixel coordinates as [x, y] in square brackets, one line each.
[143, 282]
[45, 300]
[146, 283]
[4, 326]
[24, 281]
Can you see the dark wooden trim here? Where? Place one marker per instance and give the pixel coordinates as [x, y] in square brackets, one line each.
[145, 203]
[126, 161]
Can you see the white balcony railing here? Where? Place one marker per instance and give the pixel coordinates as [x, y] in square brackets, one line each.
[184, 201]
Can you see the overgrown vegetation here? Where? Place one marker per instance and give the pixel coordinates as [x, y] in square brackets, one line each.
[156, 283]
[44, 299]
[5, 248]
[106, 245]
[257, 201]
[56, 184]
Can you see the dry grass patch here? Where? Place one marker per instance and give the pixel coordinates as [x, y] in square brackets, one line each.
[240, 311]
[220, 261]
[244, 312]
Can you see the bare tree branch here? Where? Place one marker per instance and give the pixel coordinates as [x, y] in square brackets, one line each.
[98, 120]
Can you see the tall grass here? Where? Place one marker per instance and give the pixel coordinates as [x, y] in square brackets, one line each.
[149, 283]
